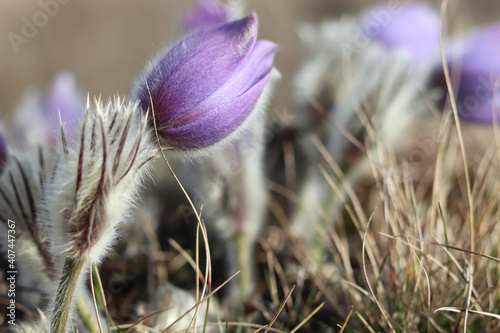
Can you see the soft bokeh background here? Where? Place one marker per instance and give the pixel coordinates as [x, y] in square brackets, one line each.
[107, 43]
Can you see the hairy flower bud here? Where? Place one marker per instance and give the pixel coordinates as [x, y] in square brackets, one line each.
[94, 186]
[207, 86]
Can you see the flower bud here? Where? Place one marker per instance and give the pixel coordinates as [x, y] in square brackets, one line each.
[207, 86]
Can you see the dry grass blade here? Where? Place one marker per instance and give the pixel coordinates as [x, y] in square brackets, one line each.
[459, 310]
[144, 318]
[437, 182]
[198, 217]
[444, 5]
[201, 301]
[241, 324]
[451, 247]
[344, 324]
[276, 315]
[365, 323]
[428, 283]
[470, 284]
[185, 255]
[348, 135]
[347, 186]
[161, 268]
[94, 299]
[272, 276]
[306, 319]
[128, 326]
[208, 269]
[367, 279]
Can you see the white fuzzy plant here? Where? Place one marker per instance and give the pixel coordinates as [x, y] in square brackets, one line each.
[365, 93]
[91, 190]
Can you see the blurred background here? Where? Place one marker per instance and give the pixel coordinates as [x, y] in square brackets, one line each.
[107, 43]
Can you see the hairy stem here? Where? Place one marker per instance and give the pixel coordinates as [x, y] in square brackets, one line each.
[67, 284]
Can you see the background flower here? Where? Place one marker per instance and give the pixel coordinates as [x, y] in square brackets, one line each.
[412, 27]
[475, 71]
[206, 13]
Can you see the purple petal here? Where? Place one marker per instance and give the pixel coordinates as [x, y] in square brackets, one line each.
[207, 13]
[413, 27]
[224, 111]
[65, 100]
[255, 67]
[475, 68]
[197, 67]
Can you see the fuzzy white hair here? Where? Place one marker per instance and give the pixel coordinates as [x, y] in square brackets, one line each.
[96, 181]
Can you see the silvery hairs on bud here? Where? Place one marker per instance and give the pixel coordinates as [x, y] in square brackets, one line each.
[95, 182]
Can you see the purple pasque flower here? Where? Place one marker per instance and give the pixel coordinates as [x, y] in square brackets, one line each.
[413, 27]
[206, 13]
[474, 66]
[205, 87]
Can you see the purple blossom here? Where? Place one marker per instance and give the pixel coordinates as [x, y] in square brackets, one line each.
[206, 13]
[413, 27]
[205, 87]
[474, 66]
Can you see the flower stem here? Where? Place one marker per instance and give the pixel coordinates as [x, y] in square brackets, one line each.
[64, 296]
[244, 264]
[85, 314]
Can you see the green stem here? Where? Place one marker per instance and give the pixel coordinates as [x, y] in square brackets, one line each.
[244, 264]
[86, 315]
[64, 296]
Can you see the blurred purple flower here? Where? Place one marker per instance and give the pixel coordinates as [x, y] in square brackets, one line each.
[413, 27]
[474, 66]
[207, 13]
[37, 119]
[64, 105]
[204, 88]
[3, 148]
